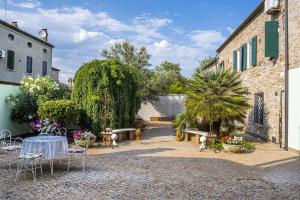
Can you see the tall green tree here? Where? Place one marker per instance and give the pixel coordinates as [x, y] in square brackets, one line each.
[217, 96]
[105, 91]
[203, 63]
[137, 59]
[167, 79]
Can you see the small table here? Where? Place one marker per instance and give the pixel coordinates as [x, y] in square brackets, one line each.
[50, 146]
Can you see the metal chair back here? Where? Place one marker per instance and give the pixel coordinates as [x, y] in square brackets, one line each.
[4, 135]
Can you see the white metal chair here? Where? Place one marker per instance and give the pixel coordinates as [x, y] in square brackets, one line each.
[60, 132]
[30, 162]
[8, 146]
[72, 152]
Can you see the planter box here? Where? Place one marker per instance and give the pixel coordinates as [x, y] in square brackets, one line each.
[82, 143]
[233, 148]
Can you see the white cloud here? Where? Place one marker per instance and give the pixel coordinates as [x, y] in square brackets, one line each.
[207, 39]
[163, 44]
[25, 4]
[80, 35]
[83, 35]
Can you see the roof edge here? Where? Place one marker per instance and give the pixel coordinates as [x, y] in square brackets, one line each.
[25, 33]
[214, 60]
[54, 68]
[254, 13]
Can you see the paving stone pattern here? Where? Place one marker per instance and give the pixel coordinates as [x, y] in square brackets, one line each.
[161, 168]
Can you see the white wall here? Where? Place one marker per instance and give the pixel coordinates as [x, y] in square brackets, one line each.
[294, 109]
[166, 106]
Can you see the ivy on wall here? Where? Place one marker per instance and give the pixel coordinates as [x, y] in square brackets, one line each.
[105, 91]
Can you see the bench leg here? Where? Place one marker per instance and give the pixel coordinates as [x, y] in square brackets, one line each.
[197, 139]
[131, 135]
[186, 136]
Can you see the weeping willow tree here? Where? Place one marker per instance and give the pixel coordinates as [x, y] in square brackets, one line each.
[105, 91]
[217, 96]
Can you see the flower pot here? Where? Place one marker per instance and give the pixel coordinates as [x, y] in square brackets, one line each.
[232, 148]
[82, 143]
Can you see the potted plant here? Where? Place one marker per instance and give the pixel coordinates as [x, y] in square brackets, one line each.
[234, 145]
[44, 126]
[80, 138]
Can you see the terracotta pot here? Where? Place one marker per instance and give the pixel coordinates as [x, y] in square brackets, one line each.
[232, 148]
[139, 124]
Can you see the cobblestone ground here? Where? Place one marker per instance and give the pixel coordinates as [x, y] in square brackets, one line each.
[161, 168]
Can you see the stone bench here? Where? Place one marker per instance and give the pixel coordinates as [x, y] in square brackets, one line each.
[192, 135]
[123, 134]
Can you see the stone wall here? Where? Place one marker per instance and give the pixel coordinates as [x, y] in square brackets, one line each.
[267, 76]
[294, 34]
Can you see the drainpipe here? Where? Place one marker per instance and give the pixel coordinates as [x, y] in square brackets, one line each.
[286, 77]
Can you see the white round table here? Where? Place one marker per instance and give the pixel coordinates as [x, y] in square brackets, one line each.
[50, 146]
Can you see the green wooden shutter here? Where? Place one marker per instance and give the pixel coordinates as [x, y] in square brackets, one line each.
[244, 56]
[10, 60]
[271, 39]
[235, 60]
[241, 58]
[44, 68]
[29, 65]
[254, 51]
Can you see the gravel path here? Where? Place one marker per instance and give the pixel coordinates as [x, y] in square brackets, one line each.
[161, 168]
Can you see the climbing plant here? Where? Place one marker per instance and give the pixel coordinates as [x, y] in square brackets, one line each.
[105, 91]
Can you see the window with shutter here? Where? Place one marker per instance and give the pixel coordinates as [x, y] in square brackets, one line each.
[10, 60]
[254, 51]
[235, 60]
[44, 69]
[271, 39]
[29, 65]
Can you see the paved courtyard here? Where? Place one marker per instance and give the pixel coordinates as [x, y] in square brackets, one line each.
[161, 168]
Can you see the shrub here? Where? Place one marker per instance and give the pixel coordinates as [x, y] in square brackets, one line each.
[61, 111]
[217, 96]
[106, 93]
[34, 92]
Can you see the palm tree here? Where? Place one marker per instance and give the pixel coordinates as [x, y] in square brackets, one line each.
[217, 96]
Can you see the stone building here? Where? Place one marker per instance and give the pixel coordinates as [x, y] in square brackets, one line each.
[22, 54]
[265, 49]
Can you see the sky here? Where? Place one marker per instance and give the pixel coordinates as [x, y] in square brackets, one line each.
[179, 31]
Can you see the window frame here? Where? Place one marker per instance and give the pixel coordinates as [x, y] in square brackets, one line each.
[258, 112]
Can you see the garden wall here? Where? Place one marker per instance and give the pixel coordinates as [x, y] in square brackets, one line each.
[5, 122]
[167, 107]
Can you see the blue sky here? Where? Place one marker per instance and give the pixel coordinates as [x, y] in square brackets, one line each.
[180, 31]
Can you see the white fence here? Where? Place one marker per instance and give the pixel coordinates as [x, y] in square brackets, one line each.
[167, 106]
